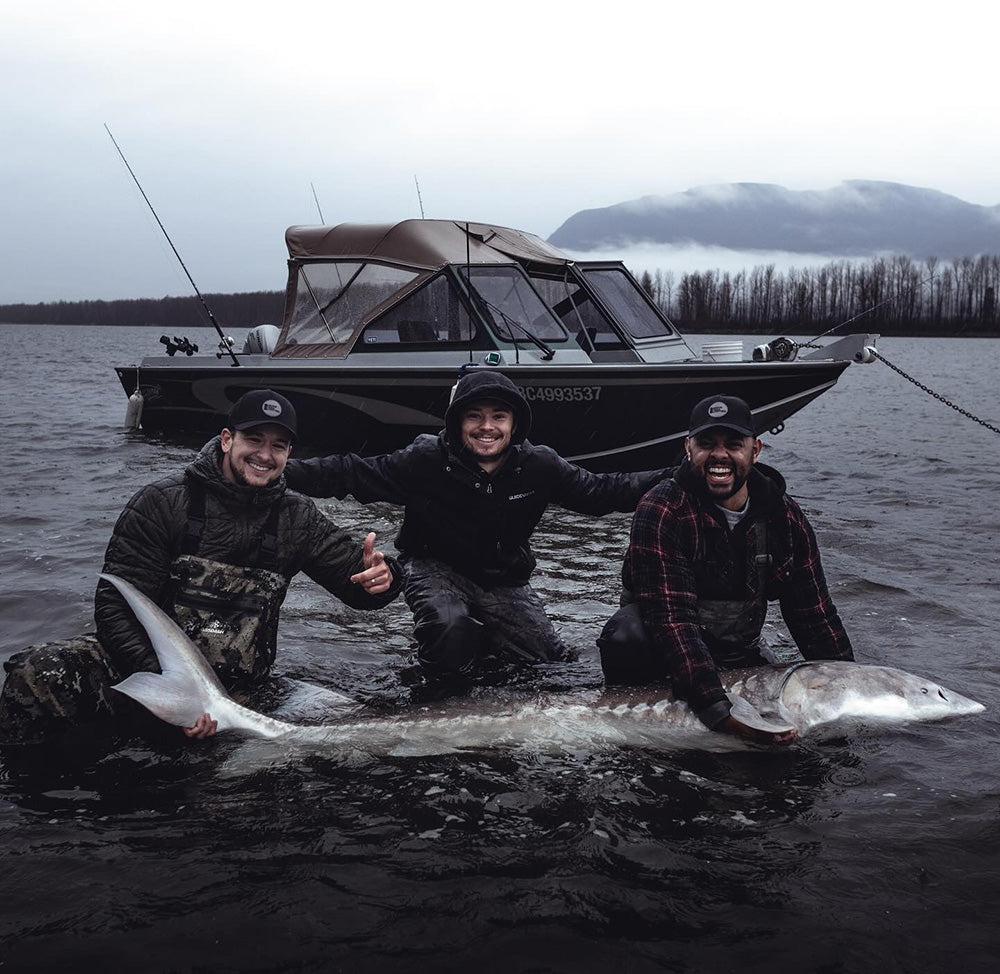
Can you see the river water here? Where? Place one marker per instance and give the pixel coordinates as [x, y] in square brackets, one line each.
[874, 853]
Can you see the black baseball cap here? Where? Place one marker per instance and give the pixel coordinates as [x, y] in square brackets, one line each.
[259, 407]
[729, 412]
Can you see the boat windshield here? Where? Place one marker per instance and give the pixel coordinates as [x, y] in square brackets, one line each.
[331, 299]
[577, 310]
[511, 306]
[627, 303]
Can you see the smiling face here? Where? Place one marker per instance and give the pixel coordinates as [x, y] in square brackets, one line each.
[487, 428]
[255, 457]
[722, 459]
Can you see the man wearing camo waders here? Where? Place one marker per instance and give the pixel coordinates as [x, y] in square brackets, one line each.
[215, 546]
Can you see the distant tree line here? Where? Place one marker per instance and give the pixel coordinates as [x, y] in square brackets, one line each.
[172, 314]
[892, 295]
[888, 294]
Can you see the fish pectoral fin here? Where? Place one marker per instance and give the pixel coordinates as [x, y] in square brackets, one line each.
[749, 716]
[162, 697]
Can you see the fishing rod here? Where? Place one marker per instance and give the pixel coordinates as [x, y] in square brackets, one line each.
[786, 349]
[867, 311]
[224, 344]
[318, 208]
[419, 199]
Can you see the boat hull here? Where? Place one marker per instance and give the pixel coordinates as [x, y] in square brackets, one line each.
[603, 416]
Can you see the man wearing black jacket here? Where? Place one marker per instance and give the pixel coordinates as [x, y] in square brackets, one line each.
[472, 496]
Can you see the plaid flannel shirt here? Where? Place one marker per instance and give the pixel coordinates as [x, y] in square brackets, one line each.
[680, 545]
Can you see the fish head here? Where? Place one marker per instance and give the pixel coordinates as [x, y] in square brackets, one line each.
[846, 694]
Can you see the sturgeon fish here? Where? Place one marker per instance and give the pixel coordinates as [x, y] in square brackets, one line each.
[816, 698]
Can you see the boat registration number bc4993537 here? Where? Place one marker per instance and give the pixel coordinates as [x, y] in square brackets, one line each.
[561, 393]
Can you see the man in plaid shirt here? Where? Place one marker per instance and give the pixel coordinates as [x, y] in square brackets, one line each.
[710, 546]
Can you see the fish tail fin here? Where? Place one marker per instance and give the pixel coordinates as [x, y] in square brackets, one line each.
[172, 697]
[187, 687]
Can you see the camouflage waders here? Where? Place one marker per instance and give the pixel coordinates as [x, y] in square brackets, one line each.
[230, 612]
[56, 685]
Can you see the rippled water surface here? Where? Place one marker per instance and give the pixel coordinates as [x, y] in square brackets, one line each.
[876, 853]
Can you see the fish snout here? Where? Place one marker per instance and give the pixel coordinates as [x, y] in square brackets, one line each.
[955, 702]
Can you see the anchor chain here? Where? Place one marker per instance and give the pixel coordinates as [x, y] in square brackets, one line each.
[931, 392]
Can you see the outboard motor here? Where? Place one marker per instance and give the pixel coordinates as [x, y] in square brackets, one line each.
[261, 340]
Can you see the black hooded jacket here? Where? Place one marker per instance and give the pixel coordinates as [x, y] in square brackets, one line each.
[480, 524]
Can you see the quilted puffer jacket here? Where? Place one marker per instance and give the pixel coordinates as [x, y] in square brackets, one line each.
[150, 532]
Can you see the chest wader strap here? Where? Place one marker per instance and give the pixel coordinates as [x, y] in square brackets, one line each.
[267, 551]
[763, 560]
[195, 526]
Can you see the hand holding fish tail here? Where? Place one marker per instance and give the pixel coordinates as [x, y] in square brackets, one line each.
[377, 576]
[203, 727]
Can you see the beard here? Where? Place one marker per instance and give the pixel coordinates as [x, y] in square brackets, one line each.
[242, 481]
[718, 494]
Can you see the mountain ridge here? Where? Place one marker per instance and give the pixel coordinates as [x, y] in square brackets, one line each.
[856, 218]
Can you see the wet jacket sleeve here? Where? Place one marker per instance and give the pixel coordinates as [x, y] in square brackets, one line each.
[806, 606]
[580, 490]
[141, 550]
[389, 477]
[333, 557]
[659, 564]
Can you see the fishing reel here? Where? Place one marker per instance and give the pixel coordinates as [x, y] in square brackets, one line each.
[780, 350]
[178, 345]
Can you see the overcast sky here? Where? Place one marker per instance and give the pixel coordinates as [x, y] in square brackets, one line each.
[517, 113]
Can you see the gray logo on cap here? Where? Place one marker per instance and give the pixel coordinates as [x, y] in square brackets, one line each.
[271, 407]
[717, 410]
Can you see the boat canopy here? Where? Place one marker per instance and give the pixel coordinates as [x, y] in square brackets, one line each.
[445, 285]
[422, 243]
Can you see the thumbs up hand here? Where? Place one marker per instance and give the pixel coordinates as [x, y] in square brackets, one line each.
[376, 577]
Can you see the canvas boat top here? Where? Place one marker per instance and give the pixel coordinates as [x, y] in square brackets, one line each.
[446, 285]
[422, 243]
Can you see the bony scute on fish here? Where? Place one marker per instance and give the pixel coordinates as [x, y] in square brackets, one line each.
[813, 698]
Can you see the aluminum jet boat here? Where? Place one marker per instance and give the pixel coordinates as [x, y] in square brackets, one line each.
[380, 321]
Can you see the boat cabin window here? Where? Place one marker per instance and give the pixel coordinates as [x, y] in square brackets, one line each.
[509, 303]
[332, 298]
[631, 308]
[576, 309]
[431, 314]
